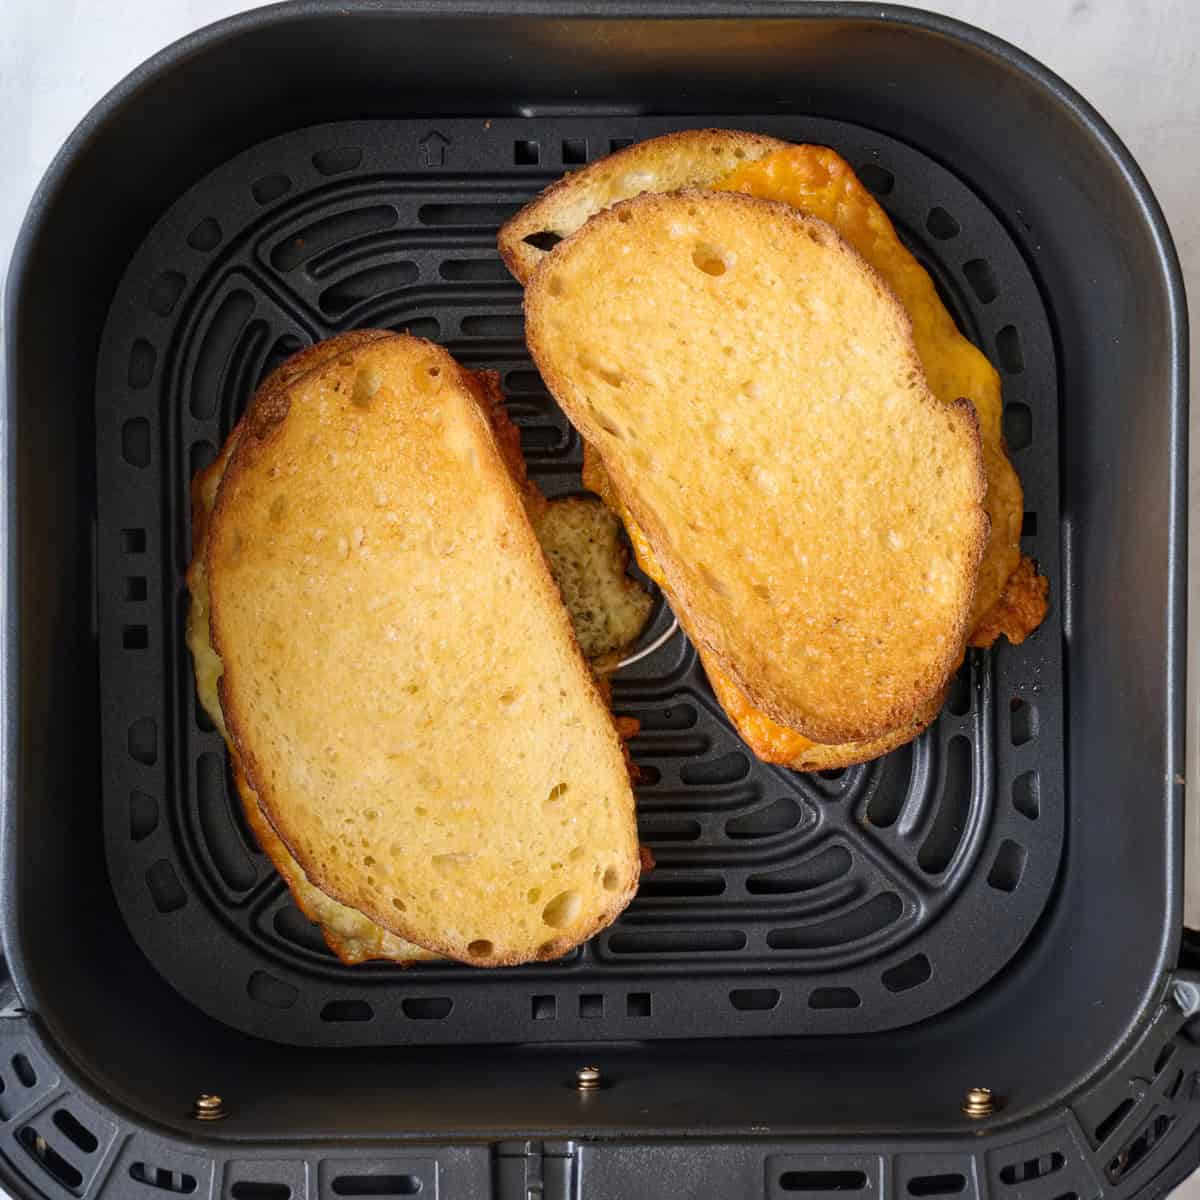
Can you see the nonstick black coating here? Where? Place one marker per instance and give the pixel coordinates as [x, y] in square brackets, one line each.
[845, 901]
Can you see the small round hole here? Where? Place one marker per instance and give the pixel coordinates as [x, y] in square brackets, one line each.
[612, 879]
[480, 948]
[562, 910]
[710, 259]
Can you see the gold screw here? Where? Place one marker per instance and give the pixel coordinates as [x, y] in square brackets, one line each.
[208, 1108]
[588, 1079]
[979, 1102]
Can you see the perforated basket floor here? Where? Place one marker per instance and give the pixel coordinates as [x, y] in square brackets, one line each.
[782, 903]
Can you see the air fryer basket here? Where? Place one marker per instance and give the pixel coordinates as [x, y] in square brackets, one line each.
[845, 954]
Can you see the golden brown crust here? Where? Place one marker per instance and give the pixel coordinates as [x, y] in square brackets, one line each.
[700, 156]
[264, 426]
[1019, 611]
[875, 718]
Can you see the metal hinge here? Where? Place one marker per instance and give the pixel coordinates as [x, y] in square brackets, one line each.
[528, 1170]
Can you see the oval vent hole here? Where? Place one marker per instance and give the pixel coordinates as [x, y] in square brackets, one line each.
[907, 975]
[260, 1189]
[937, 1185]
[754, 999]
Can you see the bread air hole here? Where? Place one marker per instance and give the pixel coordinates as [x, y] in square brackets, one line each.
[480, 948]
[557, 792]
[399, 904]
[562, 910]
[712, 260]
[366, 383]
[611, 880]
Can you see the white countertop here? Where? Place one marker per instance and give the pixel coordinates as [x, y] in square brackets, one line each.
[1139, 63]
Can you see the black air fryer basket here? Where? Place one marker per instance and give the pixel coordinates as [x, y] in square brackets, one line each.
[821, 967]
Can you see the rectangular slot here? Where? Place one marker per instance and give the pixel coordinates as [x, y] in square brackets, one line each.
[526, 153]
[638, 1004]
[591, 1005]
[574, 151]
[823, 1181]
[135, 637]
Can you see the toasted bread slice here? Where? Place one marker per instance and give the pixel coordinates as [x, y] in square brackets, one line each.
[815, 511]
[350, 935]
[820, 183]
[693, 158]
[770, 741]
[366, 540]
[607, 598]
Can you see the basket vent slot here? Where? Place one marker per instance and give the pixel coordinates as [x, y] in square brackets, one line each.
[163, 1179]
[1018, 425]
[818, 871]
[311, 240]
[376, 1185]
[165, 889]
[1022, 721]
[220, 832]
[206, 236]
[260, 1189]
[754, 999]
[983, 283]
[53, 1163]
[347, 1010]
[1032, 1168]
[712, 772]
[574, 151]
[272, 992]
[677, 941]
[950, 824]
[823, 1181]
[772, 819]
[165, 292]
[23, 1069]
[639, 1004]
[75, 1131]
[337, 160]
[293, 926]
[142, 357]
[426, 1008]
[1008, 350]
[484, 216]
[868, 918]
[876, 178]
[891, 788]
[906, 975]
[1140, 1148]
[474, 270]
[366, 285]
[1027, 795]
[1006, 872]
[270, 187]
[834, 997]
[941, 224]
[949, 1184]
